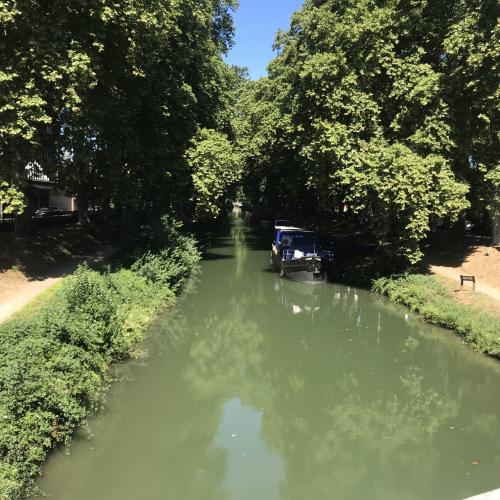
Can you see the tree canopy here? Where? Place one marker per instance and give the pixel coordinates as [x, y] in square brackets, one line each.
[215, 168]
[388, 107]
[109, 95]
[11, 200]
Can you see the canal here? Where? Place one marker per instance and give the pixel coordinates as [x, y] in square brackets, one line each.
[261, 389]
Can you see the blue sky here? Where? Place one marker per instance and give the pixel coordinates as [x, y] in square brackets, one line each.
[257, 22]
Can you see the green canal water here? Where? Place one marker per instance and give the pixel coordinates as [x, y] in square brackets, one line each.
[262, 389]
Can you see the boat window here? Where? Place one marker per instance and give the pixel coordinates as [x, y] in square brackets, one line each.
[304, 242]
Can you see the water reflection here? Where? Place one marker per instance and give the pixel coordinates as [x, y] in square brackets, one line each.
[252, 470]
[265, 389]
[238, 236]
[298, 299]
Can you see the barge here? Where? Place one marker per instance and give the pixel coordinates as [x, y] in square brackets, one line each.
[296, 255]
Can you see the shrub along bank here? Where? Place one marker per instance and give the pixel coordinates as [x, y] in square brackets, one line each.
[54, 366]
[427, 296]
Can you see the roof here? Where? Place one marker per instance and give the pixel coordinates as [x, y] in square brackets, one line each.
[291, 228]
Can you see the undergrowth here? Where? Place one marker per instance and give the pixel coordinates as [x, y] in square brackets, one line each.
[54, 362]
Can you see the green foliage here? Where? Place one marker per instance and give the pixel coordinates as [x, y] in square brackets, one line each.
[11, 199]
[491, 190]
[122, 88]
[398, 187]
[54, 362]
[216, 167]
[168, 261]
[492, 178]
[428, 297]
[387, 107]
[472, 47]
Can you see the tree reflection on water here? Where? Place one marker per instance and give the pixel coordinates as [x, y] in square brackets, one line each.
[355, 401]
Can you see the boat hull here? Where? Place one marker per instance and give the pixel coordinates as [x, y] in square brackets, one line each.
[301, 271]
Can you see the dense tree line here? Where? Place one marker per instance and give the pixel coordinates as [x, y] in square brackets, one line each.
[110, 95]
[388, 107]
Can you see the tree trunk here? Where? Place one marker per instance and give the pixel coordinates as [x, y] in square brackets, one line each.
[23, 221]
[83, 210]
[495, 227]
[458, 230]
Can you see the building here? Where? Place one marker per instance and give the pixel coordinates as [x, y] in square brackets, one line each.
[42, 191]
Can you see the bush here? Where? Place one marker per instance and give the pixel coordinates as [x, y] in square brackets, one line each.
[169, 258]
[54, 365]
[139, 301]
[427, 296]
[47, 388]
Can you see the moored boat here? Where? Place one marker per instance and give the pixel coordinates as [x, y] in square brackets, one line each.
[296, 255]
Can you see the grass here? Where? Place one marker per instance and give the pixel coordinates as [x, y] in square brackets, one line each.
[433, 300]
[35, 306]
[468, 297]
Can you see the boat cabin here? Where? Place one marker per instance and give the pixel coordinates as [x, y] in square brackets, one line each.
[295, 243]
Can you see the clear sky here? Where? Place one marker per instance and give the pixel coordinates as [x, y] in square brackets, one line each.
[257, 22]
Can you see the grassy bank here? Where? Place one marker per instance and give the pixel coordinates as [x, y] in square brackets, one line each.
[427, 296]
[54, 361]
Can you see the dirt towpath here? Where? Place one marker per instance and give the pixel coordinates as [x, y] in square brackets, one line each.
[454, 274]
[17, 291]
[479, 261]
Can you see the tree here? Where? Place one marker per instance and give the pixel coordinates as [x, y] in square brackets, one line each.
[216, 167]
[471, 56]
[22, 102]
[492, 185]
[11, 200]
[110, 95]
[357, 92]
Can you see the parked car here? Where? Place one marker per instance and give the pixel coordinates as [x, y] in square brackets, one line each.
[55, 209]
[41, 212]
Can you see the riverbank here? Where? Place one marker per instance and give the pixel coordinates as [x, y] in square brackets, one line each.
[482, 262]
[32, 263]
[18, 290]
[430, 298]
[54, 361]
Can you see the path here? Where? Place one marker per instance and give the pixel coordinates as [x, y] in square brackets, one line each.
[454, 274]
[20, 294]
[471, 260]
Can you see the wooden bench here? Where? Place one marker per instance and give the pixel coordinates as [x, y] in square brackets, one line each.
[464, 278]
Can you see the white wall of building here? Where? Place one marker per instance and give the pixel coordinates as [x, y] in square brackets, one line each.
[65, 202]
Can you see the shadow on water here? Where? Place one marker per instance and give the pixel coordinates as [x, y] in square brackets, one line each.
[219, 245]
[259, 388]
[269, 269]
[216, 256]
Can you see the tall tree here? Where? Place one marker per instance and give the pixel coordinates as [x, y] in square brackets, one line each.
[109, 95]
[471, 85]
[361, 92]
[216, 168]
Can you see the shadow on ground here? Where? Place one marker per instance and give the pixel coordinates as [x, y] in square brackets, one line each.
[449, 253]
[49, 253]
